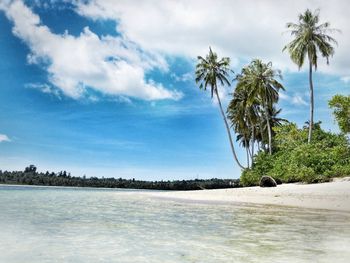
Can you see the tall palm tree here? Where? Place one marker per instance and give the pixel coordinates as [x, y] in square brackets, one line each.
[310, 38]
[243, 120]
[209, 72]
[260, 80]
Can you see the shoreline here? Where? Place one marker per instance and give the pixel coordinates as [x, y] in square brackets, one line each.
[333, 195]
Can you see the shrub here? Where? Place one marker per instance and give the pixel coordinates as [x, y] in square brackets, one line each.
[296, 161]
[249, 178]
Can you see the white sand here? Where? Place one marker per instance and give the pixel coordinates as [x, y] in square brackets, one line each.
[333, 196]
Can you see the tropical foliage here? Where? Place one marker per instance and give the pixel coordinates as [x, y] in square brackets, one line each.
[297, 161]
[311, 38]
[274, 146]
[252, 111]
[341, 110]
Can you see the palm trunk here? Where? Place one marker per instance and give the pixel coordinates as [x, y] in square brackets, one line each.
[248, 156]
[228, 130]
[253, 140]
[250, 153]
[311, 121]
[262, 136]
[268, 129]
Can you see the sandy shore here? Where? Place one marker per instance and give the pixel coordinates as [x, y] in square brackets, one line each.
[333, 196]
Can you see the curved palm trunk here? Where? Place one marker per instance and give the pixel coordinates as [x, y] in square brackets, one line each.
[311, 122]
[228, 130]
[263, 145]
[268, 129]
[253, 141]
[248, 156]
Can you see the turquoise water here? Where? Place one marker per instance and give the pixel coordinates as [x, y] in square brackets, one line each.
[95, 225]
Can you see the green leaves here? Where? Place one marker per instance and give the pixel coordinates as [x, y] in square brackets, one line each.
[341, 110]
[296, 161]
[253, 102]
[210, 71]
[309, 39]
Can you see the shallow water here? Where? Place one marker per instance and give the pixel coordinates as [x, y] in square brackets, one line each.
[45, 224]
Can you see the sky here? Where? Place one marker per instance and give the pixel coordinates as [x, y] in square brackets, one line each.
[106, 87]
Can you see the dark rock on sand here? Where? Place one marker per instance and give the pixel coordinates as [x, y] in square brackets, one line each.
[267, 181]
[278, 181]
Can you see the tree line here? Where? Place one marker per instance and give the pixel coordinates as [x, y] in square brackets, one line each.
[30, 176]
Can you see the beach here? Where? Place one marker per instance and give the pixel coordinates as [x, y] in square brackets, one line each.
[333, 195]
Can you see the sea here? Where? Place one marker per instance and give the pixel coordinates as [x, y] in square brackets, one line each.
[59, 224]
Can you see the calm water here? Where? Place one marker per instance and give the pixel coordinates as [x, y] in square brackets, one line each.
[94, 225]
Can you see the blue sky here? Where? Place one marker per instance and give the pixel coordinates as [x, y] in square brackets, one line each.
[106, 88]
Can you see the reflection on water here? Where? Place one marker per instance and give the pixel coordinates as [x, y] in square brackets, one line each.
[95, 225]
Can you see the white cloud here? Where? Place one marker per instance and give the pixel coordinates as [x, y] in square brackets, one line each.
[295, 99]
[4, 138]
[45, 88]
[298, 100]
[241, 29]
[151, 31]
[183, 78]
[110, 65]
[346, 79]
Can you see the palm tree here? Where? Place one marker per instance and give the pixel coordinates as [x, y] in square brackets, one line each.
[209, 72]
[244, 121]
[259, 79]
[310, 38]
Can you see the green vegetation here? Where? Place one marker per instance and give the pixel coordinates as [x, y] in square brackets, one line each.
[251, 111]
[341, 110]
[284, 151]
[294, 160]
[310, 38]
[30, 176]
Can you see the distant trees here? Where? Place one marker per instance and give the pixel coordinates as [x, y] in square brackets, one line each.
[30, 169]
[341, 110]
[31, 177]
[310, 39]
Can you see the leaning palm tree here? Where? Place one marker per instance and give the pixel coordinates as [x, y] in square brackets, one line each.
[260, 81]
[243, 120]
[210, 71]
[310, 38]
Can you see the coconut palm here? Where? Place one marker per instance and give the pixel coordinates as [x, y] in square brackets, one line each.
[244, 121]
[310, 39]
[211, 71]
[260, 81]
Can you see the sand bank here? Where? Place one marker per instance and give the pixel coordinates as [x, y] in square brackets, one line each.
[333, 195]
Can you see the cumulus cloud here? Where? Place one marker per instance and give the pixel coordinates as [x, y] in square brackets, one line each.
[110, 65]
[4, 138]
[241, 29]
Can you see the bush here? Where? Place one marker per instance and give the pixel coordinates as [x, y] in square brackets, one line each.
[249, 178]
[296, 161]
